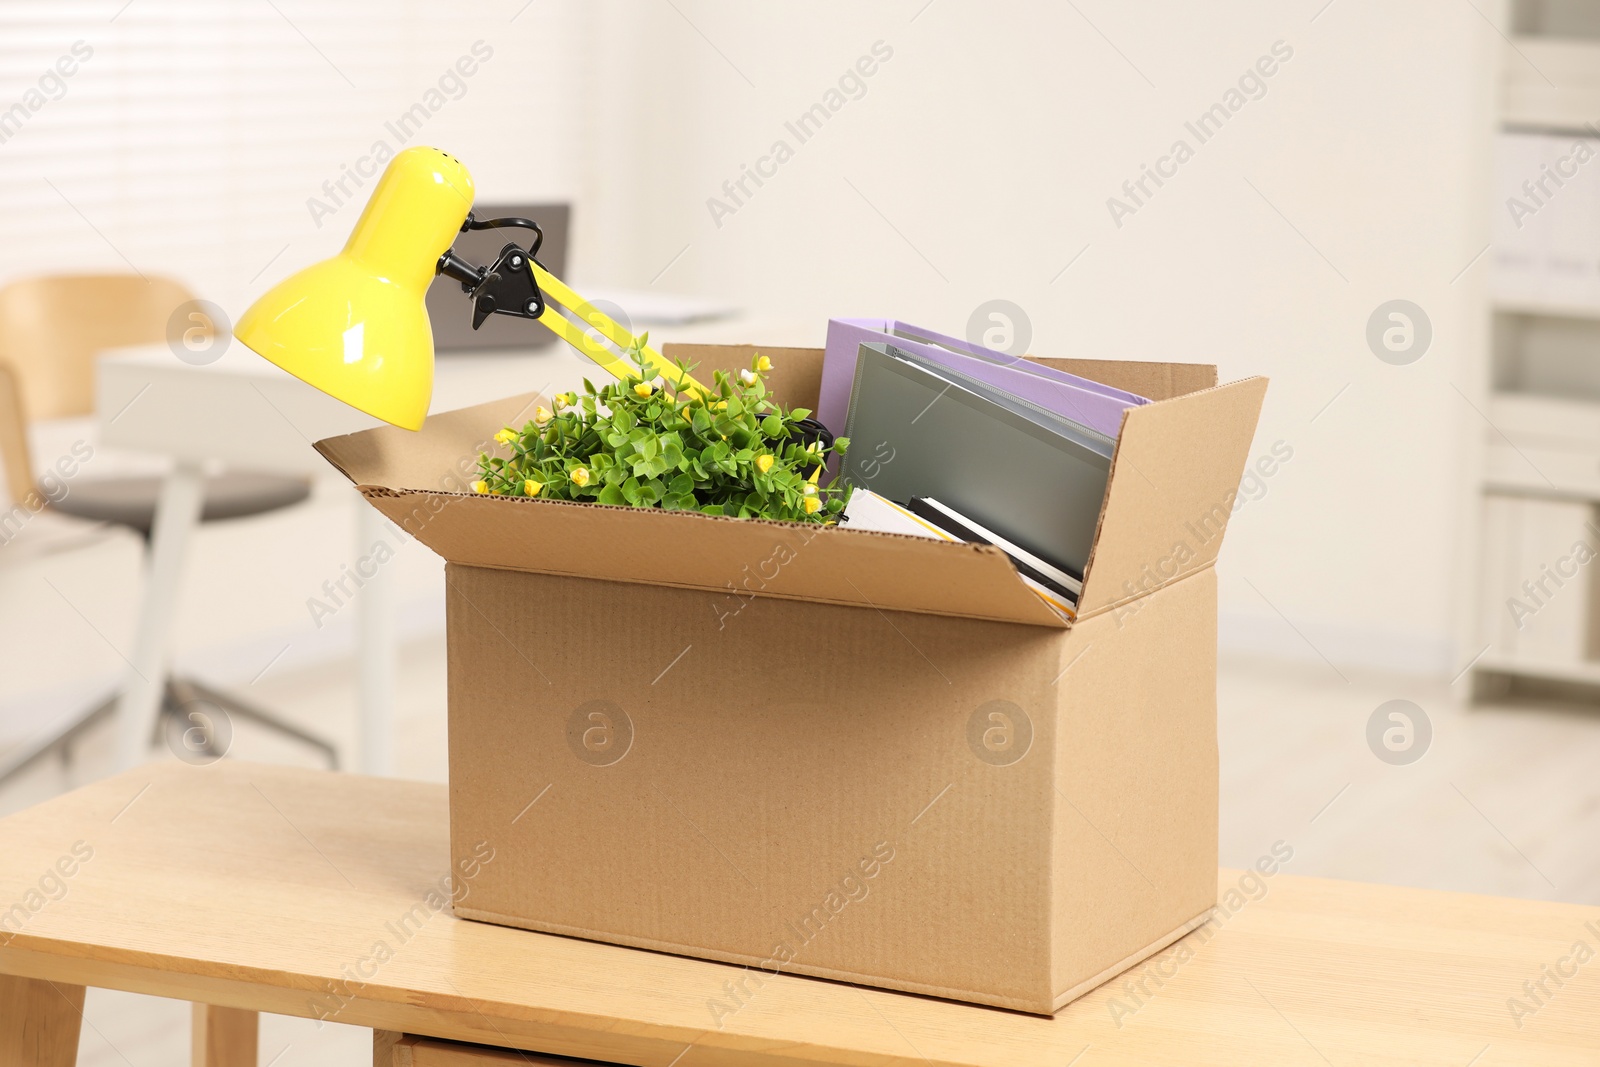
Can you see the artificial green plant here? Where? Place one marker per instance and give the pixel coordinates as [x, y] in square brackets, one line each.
[643, 442]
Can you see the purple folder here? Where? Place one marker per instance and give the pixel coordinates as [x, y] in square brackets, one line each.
[1097, 406]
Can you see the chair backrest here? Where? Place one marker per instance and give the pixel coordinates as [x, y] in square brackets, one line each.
[51, 328]
[15, 463]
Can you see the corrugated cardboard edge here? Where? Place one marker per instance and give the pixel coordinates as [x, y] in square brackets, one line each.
[443, 455]
[1176, 462]
[1153, 381]
[1132, 960]
[1138, 692]
[723, 557]
[1033, 1007]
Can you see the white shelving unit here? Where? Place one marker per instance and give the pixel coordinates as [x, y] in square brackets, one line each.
[1539, 498]
[1568, 100]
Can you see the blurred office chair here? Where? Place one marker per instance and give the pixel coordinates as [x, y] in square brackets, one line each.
[51, 329]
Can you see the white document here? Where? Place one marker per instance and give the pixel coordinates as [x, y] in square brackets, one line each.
[869, 511]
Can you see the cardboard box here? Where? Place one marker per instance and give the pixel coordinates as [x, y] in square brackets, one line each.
[840, 753]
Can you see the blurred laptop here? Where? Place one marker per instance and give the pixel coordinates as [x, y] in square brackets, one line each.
[448, 307]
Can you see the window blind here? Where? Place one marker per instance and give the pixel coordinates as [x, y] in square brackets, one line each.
[226, 144]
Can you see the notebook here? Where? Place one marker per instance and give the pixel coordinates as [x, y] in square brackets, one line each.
[1090, 403]
[1032, 477]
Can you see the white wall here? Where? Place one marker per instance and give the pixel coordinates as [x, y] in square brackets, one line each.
[982, 155]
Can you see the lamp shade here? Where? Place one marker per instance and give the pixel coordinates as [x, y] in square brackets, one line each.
[355, 326]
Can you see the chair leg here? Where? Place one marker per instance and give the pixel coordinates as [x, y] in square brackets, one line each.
[177, 515]
[224, 1037]
[39, 1022]
[242, 710]
[179, 713]
[376, 654]
[168, 706]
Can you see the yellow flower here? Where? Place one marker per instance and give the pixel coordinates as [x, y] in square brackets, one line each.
[747, 377]
[644, 389]
[531, 487]
[811, 505]
[542, 416]
[566, 399]
[808, 489]
[506, 436]
[763, 363]
[580, 477]
[764, 463]
[480, 486]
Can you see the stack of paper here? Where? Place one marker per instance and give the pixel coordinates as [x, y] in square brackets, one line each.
[869, 511]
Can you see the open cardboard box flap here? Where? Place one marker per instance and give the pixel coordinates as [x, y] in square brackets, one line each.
[1176, 460]
[1174, 478]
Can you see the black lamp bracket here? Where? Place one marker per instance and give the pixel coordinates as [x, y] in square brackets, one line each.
[504, 287]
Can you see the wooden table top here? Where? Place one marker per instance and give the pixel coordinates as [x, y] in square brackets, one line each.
[288, 891]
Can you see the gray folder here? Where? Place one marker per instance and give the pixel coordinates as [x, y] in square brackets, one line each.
[1034, 477]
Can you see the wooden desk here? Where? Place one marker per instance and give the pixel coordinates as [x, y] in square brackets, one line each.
[271, 889]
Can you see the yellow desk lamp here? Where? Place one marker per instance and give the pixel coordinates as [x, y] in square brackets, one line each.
[355, 326]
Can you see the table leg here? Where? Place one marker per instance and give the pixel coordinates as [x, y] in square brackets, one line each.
[39, 1022]
[224, 1037]
[177, 514]
[383, 1047]
[375, 647]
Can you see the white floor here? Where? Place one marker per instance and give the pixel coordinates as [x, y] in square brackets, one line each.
[1505, 801]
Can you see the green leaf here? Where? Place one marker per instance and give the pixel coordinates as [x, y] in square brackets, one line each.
[612, 494]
